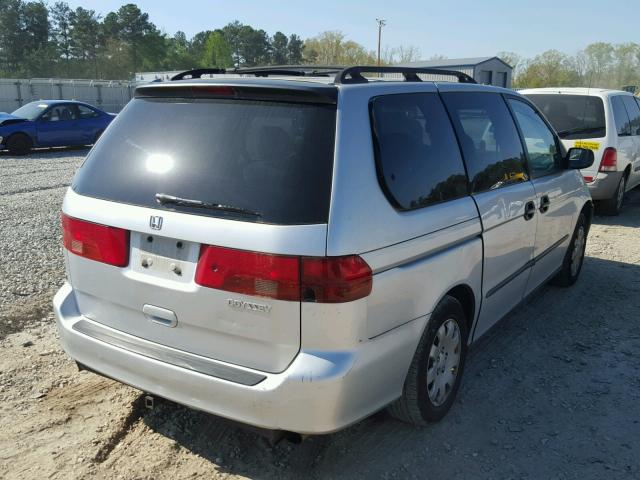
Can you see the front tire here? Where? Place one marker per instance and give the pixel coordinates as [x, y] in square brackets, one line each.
[613, 206]
[436, 370]
[574, 258]
[19, 144]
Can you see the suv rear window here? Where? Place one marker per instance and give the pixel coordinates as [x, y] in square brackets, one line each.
[273, 158]
[573, 116]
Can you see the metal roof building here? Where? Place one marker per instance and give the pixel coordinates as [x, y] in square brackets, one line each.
[486, 70]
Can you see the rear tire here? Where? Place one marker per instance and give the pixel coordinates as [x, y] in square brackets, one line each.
[436, 370]
[613, 205]
[574, 258]
[19, 144]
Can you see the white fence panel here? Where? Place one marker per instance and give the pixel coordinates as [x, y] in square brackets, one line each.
[111, 96]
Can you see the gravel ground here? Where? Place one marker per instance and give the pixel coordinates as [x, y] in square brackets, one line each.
[552, 393]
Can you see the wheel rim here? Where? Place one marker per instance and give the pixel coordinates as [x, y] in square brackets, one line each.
[621, 188]
[444, 361]
[578, 251]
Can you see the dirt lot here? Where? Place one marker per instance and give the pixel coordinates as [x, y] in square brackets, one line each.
[554, 393]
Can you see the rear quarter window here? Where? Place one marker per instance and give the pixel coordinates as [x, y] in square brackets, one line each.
[417, 156]
[634, 114]
[620, 116]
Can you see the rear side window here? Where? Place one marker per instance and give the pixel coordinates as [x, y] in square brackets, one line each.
[85, 112]
[574, 117]
[623, 125]
[634, 113]
[417, 157]
[540, 143]
[272, 158]
[489, 139]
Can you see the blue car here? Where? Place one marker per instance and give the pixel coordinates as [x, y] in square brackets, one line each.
[51, 123]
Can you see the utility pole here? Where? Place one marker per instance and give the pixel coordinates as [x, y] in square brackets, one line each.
[381, 23]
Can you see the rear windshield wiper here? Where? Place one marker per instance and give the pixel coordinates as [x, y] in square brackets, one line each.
[164, 199]
[572, 131]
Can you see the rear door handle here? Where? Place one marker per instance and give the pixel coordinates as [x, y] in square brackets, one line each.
[544, 204]
[529, 210]
[161, 316]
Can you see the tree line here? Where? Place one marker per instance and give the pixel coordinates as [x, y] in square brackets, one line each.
[38, 39]
[600, 64]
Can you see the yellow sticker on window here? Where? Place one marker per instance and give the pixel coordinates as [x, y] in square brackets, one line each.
[588, 145]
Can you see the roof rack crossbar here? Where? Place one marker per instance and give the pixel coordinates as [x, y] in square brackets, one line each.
[283, 70]
[410, 74]
[198, 72]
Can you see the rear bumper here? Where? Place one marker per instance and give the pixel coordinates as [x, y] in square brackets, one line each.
[320, 392]
[604, 186]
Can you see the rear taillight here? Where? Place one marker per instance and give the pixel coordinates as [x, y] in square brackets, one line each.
[250, 273]
[587, 178]
[335, 279]
[609, 161]
[96, 242]
[309, 279]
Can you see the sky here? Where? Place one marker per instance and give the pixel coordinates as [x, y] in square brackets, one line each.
[461, 28]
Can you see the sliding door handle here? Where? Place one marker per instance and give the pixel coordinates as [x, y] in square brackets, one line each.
[529, 210]
[544, 204]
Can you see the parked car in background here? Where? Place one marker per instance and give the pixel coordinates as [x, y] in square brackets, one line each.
[606, 121]
[299, 252]
[51, 123]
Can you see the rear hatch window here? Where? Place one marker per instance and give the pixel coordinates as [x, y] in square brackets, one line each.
[268, 157]
[573, 116]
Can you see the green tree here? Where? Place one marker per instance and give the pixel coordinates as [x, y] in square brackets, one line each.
[332, 48]
[279, 49]
[61, 18]
[86, 40]
[11, 35]
[178, 53]
[295, 47]
[142, 39]
[217, 52]
[551, 68]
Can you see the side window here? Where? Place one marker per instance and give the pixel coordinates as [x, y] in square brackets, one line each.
[634, 113]
[417, 156]
[85, 112]
[620, 115]
[542, 149]
[489, 139]
[59, 113]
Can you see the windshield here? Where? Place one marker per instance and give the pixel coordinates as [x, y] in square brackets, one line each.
[573, 116]
[274, 158]
[30, 111]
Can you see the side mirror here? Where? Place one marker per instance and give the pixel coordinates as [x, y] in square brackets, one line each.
[579, 158]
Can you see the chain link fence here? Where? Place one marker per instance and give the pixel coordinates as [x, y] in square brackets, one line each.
[110, 96]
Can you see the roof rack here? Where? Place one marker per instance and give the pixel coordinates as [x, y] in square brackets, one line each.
[354, 74]
[282, 70]
[293, 70]
[343, 75]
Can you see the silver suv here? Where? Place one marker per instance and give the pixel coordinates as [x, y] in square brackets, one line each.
[297, 251]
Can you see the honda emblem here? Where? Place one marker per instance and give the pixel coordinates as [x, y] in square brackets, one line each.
[155, 222]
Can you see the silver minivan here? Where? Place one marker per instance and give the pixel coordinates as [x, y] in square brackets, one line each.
[297, 251]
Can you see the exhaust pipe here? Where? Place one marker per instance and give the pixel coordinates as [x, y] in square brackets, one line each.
[149, 402]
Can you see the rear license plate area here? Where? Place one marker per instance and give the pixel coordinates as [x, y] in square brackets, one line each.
[162, 257]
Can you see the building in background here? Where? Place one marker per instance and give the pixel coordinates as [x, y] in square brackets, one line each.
[486, 70]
